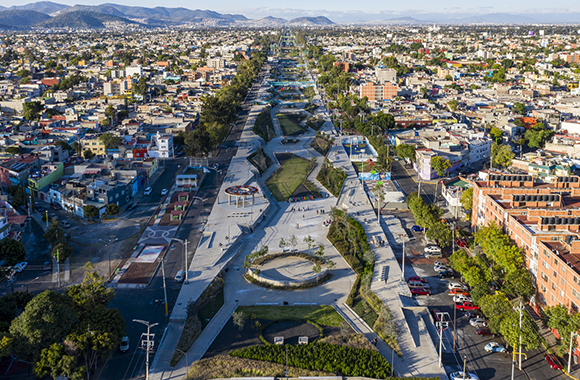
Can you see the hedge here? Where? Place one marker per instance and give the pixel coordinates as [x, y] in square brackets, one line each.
[341, 360]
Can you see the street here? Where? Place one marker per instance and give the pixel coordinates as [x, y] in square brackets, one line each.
[406, 178]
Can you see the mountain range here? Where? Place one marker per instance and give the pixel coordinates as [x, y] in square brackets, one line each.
[54, 15]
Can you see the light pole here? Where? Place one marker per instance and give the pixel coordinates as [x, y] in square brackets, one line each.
[31, 281]
[184, 353]
[403, 261]
[164, 287]
[464, 362]
[184, 243]
[441, 323]
[108, 244]
[147, 348]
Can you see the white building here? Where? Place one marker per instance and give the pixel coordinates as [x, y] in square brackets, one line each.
[161, 146]
[572, 126]
[132, 70]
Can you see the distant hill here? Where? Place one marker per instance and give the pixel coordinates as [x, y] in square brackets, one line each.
[314, 21]
[398, 21]
[47, 7]
[82, 19]
[269, 21]
[21, 18]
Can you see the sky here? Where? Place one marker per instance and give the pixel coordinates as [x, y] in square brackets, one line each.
[349, 11]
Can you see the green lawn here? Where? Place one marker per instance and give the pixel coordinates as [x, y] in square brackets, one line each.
[362, 308]
[290, 125]
[287, 179]
[323, 315]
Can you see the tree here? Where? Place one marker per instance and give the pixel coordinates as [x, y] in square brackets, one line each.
[197, 142]
[110, 112]
[54, 234]
[283, 244]
[239, 319]
[12, 251]
[88, 154]
[496, 135]
[62, 251]
[440, 165]
[76, 146]
[113, 209]
[467, 199]
[406, 152]
[558, 318]
[452, 105]
[12, 150]
[90, 211]
[538, 135]
[110, 140]
[440, 232]
[11, 305]
[31, 110]
[55, 362]
[47, 319]
[309, 242]
[18, 194]
[63, 144]
[501, 155]
[519, 108]
[510, 329]
[293, 241]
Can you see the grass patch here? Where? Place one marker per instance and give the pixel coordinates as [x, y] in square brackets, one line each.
[290, 124]
[263, 126]
[322, 315]
[315, 122]
[364, 167]
[362, 308]
[308, 93]
[288, 177]
[321, 144]
[260, 160]
[226, 366]
[331, 178]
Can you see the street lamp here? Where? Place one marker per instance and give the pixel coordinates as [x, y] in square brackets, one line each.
[108, 244]
[149, 343]
[184, 353]
[403, 262]
[184, 243]
[31, 281]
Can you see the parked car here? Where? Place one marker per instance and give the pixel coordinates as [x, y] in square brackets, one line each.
[55, 206]
[147, 191]
[432, 249]
[435, 314]
[417, 228]
[19, 267]
[460, 242]
[495, 347]
[456, 285]
[132, 206]
[466, 306]
[461, 376]
[477, 322]
[124, 346]
[417, 278]
[554, 363]
[65, 223]
[47, 265]
[458, 292]
[420, 292]
[434, 255]
[441, 268]
[484, 331]
[461, 298]
[473, 314]
[164, 192]
[52, 215]
[437, 262]
[447, 273]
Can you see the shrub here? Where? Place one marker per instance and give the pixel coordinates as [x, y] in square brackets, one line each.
[113, 209]
[331, 178]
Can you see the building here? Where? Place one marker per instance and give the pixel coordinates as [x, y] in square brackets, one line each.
[161, 146]
[94, 144]
[216, 63]
[15, 172]
[385, 75]
[375, 92]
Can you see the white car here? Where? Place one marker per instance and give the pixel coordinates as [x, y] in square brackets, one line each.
[437, 263]
[494, 347]
[461, 376]
[20, 266]
[456, 285]
[164, 191]
[477, 322]
[432, 249]
[441, 268]
[148, 191]
[462, 298]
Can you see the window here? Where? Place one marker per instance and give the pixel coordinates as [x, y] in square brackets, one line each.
[544, 277]
[562, 281]
[117, 196]
[562, 293]
[544, 264]
[575, 293]
[553, 286]
[575, 279]
[543, 288]
[555, 262]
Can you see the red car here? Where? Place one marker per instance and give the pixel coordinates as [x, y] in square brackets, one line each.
[435, 314]
[455, 292]
[466, 306]
[420, 292]
[554, 363]
[417, 278]
[460, 242]
[484, 331]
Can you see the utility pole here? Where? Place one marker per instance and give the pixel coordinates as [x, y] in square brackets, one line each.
[440, 324]
[464, 362]
[419, 192]
[164, 287]
[149, 343]
[184, 243]
[572, 333]
[454, 327]
[453, 238]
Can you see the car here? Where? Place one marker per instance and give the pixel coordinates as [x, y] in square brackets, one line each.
[483, 331]
[461, 298]
[437, 262]
[19, 267]
[477, 322]
[132, 206]
[55, 206]
[495, 347]
[441, 268]
[432, 249]
[420, 292]
[466, 306]
[473, 314]
[147, 191]
[124, 345]
[447, 273]
[458, 292]
[417, 228]
[39, 208]
[417, 278]
[65, 223]
[554, 363]
[52, 215]
[456, 285]
[460, 242]
[164, 192]
[47, 265]
[463, 376]
[435, 314]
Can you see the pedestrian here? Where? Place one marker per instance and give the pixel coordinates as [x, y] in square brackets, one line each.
[302, 216]
[316, 212]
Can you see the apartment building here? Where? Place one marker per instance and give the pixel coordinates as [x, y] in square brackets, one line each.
[543, 220]
[375, 92]
[94, 144]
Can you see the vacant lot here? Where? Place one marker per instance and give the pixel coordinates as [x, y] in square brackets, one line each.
[288, 177]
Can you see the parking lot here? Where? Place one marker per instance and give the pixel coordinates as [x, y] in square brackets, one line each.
[468, 343]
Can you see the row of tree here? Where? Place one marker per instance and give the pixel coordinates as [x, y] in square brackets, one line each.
[429, 216]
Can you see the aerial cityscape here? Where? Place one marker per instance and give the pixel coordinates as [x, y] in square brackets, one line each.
[275, 192]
